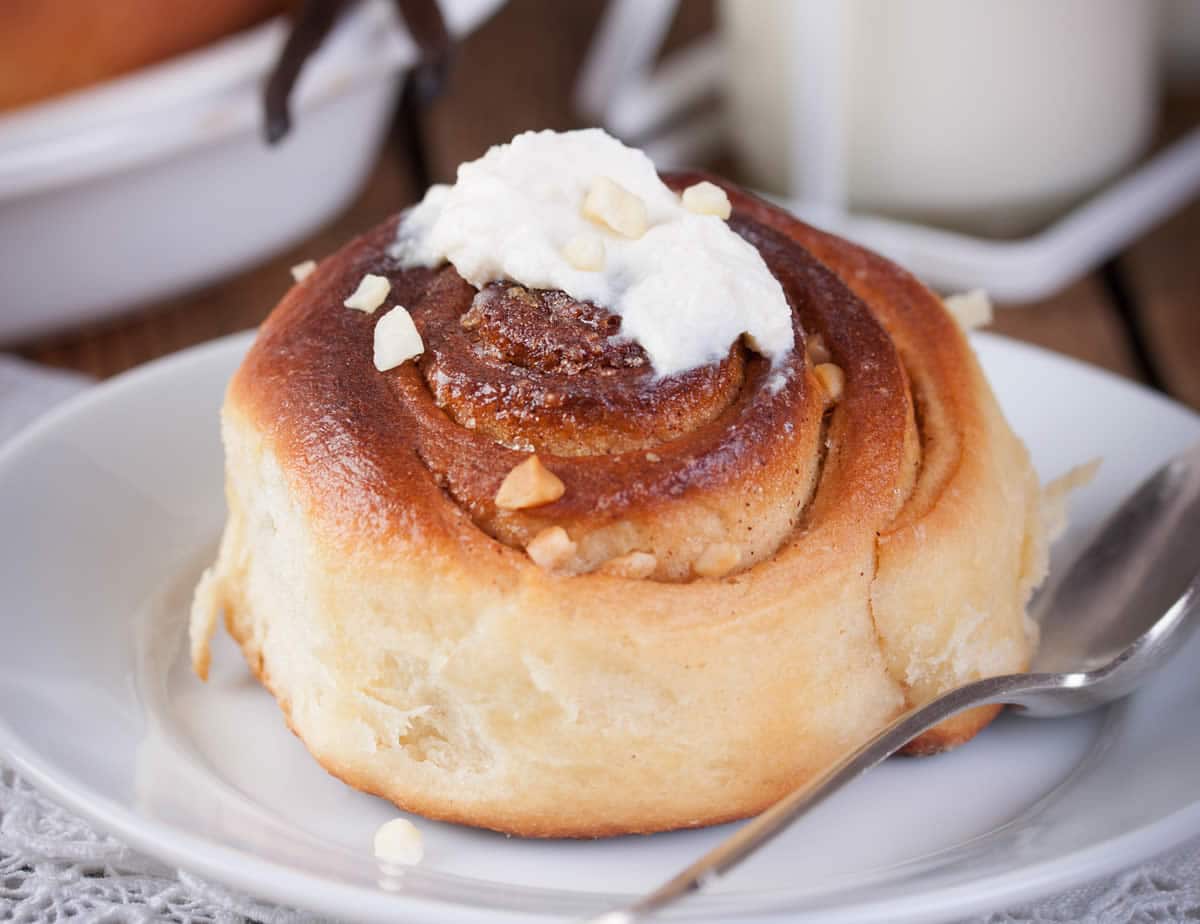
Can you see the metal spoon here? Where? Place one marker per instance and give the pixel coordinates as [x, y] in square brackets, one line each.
[1126, 604]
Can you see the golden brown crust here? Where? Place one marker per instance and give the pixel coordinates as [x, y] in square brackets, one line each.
[716, 433]
[536, 368]
[421, 655]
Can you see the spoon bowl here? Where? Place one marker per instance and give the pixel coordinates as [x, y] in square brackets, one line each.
[1132, 580]
[1125, 605]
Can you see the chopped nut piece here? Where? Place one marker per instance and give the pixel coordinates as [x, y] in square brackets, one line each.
[585, 252]
[399, 842]
[970, 309]
[551, 548]
[707, 198]
[302, 271]
[396, 339]
[832, 379]
[653, 457]
[529, 484]
[635, 565]
[717, 560]
[818, 352]
[610, 204]
[369, 295]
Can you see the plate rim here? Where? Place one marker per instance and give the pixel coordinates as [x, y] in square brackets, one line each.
[277, 882]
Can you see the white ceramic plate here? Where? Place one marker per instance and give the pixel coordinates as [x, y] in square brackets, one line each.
[110, 506]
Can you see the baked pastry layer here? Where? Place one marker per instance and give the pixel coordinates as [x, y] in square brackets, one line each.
[881, 542]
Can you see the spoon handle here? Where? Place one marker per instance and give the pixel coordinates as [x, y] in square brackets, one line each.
[762, 829]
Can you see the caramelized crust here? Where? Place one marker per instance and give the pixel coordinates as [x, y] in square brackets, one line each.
[541, 371]
[736, 445]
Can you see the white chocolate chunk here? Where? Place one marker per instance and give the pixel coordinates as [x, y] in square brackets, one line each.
[398, 842]
[529, 484]
[707, 198]
[396, 339]
[551, 548]
[370, 294]
[717, 560]
[610, 204]
[832, 379]
[302, 271]
[585, 252]
[970, 309]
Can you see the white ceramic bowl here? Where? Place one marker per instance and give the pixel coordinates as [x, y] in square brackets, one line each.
[160, 181]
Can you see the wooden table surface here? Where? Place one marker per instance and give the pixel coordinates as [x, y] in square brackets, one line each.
[1139, 316]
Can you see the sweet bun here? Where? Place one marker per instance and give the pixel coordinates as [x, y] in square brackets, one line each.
[743, 571]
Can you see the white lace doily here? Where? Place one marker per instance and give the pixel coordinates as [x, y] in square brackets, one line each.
[54, 867]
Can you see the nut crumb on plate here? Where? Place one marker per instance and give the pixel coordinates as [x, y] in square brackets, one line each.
[399, 842]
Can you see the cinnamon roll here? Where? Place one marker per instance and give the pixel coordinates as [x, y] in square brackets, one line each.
[564, 569]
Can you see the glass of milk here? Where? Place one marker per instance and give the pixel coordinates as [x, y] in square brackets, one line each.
[989, 116]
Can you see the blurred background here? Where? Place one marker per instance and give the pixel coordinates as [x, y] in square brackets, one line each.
[1045, 150]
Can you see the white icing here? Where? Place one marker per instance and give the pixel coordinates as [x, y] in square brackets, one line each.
[685, 290]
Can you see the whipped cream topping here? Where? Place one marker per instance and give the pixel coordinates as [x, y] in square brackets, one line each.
[686, 288]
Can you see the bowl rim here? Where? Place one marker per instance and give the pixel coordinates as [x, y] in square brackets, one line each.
[200, 96]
